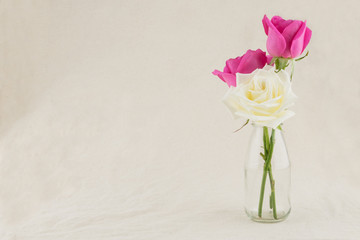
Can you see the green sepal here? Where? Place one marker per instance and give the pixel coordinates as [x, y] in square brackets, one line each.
[242, 126]
[281, 63]
[273, 60]
[307, 53]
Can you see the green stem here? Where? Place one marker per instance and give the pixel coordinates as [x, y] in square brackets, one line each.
[268, 149]
[262, 192]
[272, 196]
[271, 202]
[263, 181]
[266, 141]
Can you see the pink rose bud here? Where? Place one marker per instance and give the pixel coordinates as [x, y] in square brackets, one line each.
[247, 63]
[286, 38]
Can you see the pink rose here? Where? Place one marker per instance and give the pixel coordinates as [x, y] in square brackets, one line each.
[286, 38]
[247, 63]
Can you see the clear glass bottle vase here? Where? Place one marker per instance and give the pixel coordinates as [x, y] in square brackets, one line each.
[267, 176]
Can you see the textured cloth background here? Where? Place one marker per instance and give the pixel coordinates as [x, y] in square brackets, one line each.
[112, 126]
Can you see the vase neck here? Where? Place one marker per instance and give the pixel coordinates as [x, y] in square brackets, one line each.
[256, 125]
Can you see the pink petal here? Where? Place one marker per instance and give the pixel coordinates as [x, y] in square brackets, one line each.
[226, 69]
[297, 45]
[252, 60]
[280, 23]
[264, 22]
[277, 19]
[268, 59]
[232, 64]
[229, 78]
[289, 34]
[216, 72]
[275, 43]
[307, 37]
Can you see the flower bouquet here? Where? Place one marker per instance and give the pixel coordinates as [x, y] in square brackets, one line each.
[260, 92]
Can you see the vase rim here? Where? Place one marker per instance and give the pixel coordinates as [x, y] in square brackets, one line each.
[254, 124]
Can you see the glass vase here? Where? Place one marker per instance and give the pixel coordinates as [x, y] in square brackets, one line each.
[267, 176]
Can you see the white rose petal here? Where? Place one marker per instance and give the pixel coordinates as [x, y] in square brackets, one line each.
[263, 96]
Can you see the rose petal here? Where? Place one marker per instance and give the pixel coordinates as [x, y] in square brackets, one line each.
[232, 64]
[251, 101]
[216, 72]
[289, 34]
[297, 45]
[266, 26]
[275, 43]
[280, 23]
[243, 77]
[231, 101]
[307, 37]
[229, 78]
[252, 60]
[219, 74]
[277, 19]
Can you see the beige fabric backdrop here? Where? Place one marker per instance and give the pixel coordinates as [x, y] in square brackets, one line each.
[112, 125]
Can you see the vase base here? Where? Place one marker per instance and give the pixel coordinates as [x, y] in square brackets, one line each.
[267, 216]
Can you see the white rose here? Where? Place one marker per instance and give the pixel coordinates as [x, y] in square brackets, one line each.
[262, 96]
